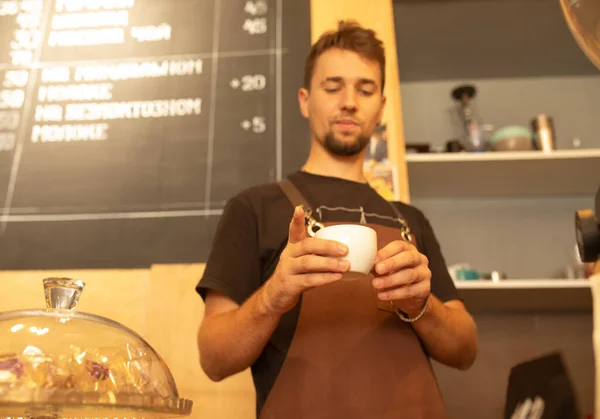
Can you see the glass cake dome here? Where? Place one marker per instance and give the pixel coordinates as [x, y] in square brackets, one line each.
[60, 363]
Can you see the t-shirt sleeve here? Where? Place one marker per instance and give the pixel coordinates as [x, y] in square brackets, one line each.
[442, 285]
[233, 265]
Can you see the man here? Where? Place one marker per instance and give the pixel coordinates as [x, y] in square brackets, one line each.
[319, 347]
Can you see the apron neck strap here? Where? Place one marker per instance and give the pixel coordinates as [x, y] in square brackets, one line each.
[294, 195]
[296, 198]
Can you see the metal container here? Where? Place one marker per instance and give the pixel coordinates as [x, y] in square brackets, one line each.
[542, 127]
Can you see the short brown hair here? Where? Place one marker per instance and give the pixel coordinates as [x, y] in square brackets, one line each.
[349, 36]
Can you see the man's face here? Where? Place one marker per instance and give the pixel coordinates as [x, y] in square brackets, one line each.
[345, 102]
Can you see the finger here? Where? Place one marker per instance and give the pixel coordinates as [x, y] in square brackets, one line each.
[418, 290]
[315, 246]
[402, 278]
[313, 263]
[393, 248]
[402, 260]
[297, 231]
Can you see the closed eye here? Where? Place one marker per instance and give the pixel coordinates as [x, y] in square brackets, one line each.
[332, 88]
[367, 87]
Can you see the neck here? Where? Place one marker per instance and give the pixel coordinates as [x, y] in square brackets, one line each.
[322, 162]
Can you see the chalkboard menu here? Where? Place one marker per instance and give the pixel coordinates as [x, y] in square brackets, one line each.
[125, 125]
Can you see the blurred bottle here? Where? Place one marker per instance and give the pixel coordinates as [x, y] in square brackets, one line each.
[542, 127]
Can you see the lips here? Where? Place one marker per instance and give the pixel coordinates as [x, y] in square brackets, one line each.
[346, 123]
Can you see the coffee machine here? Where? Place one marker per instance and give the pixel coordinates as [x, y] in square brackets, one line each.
[587, 232]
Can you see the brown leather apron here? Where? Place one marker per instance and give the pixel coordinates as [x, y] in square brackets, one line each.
[351, 359]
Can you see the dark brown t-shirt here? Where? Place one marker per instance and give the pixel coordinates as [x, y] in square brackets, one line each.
[253, 230]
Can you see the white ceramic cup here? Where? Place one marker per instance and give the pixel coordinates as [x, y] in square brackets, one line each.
[362, 247]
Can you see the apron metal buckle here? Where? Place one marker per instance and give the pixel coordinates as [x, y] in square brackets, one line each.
[311, 223]
[406, 235]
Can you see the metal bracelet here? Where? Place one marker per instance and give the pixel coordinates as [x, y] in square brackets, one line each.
[408, 319]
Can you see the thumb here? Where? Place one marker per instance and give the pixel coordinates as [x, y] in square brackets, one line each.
[297, 231]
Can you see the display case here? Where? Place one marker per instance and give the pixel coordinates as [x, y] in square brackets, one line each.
[61, 363]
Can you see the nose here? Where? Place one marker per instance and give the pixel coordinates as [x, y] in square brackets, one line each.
[349, 102]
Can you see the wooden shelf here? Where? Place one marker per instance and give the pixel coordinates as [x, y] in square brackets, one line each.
[561, 172]
[522, 284]
[526, 295]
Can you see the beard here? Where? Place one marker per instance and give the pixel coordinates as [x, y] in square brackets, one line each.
[342, 148]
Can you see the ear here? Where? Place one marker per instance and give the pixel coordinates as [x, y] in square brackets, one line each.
[303, 96]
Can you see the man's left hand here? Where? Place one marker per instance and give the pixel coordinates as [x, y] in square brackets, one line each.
[401, 274]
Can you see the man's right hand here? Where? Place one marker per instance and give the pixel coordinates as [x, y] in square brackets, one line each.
[305, 263]
[232, 336]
